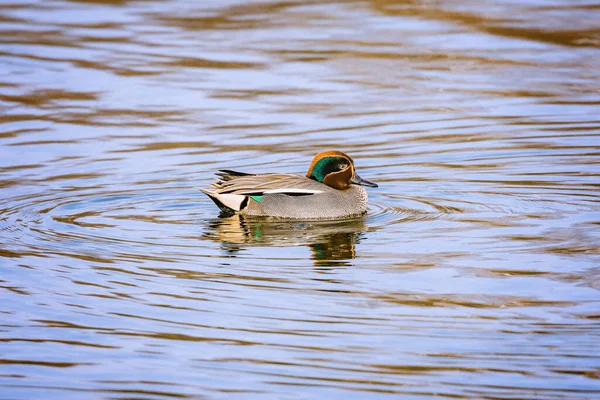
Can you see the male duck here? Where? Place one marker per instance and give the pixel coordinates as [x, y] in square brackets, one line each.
[330, 190]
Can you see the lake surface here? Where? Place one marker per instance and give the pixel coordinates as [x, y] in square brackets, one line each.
[475, 273]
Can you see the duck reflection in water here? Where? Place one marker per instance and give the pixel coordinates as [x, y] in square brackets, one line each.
[332, 242]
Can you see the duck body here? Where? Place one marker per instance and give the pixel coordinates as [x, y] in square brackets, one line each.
[331, 190]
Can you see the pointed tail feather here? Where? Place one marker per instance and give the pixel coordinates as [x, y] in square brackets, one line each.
[227, 202]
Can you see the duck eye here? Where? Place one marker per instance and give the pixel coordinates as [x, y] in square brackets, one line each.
[342, 166]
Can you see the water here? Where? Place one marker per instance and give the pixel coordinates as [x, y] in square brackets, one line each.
[474, 274]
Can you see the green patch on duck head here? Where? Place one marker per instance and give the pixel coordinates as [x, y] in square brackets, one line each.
[326, 166]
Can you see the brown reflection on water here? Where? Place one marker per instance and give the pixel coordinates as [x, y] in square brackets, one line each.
[331, 243]
[556, 28]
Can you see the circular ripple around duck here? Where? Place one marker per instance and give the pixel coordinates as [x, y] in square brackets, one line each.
[173, 223]
[105, 224]
[412, 209]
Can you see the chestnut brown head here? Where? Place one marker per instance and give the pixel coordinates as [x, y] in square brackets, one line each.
[335, 169]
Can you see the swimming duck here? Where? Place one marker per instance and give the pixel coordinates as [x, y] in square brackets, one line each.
[330, 190]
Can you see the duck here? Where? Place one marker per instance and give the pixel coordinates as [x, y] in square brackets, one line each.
[330, 190]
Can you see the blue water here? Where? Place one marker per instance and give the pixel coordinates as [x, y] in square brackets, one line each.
[474, 273]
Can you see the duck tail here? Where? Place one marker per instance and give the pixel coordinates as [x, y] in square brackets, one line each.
[227, 202]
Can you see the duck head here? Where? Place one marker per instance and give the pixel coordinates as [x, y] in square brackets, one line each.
[335, 169]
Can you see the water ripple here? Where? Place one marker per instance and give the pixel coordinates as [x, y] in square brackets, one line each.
[473, 275]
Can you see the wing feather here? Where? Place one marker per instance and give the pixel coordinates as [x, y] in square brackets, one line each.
[240, 183]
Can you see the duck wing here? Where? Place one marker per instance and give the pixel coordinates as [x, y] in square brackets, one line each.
[233, 190]
[241, 183]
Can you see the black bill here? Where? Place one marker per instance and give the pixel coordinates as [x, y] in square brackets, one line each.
[357, 180]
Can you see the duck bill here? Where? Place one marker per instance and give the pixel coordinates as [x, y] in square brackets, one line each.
[357, 180]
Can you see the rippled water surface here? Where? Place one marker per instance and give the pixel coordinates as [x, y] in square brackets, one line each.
[475, 273]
